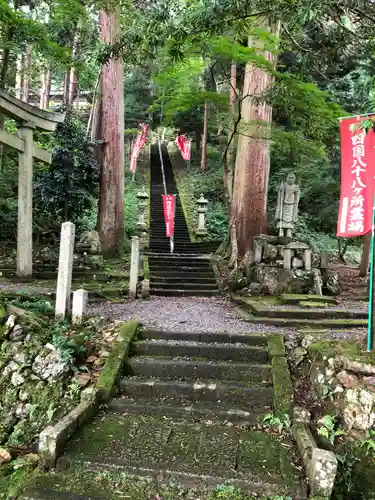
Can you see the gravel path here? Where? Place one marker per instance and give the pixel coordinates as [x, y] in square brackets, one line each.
[183, 314]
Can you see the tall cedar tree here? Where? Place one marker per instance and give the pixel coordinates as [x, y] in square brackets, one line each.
[111, 198]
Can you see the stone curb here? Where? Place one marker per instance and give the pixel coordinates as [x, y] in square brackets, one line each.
[282, 382]
[53, 438]
[320, 465]
[112, 368]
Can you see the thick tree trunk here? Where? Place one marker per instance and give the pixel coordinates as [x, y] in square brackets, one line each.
[111, 199]
[65, 98]
[229, 160]
[72, 92]
[365, 260]
[46, 88]
[249, 204]
[204, 139]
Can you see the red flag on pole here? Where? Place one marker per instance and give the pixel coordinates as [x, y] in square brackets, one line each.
[357, 178]
[184, 145]
[169, 203]
[138, 145]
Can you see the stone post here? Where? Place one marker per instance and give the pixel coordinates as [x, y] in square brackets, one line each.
[307, 259]
[142, 204]
[79, 308]
[324, 260]
[134, 267]
[287, 256]
[322, 473]
[64, 277]
[202, 202]
[25, 202]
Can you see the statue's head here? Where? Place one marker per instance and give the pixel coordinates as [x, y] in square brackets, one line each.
[291, 179]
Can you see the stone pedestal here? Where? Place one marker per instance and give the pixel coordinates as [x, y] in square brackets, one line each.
[287, 258]
[79, 308]
[134, 267]
[25, 203]
[307, 259]
[322, 473]
[64, 277]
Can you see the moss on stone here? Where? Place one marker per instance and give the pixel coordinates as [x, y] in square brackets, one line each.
[117, 356]
[287, 298]
[282, 384]
[350, 348]
[275, 345]
[313, 304]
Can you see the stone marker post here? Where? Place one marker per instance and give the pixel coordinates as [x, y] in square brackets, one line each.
[142, 205]
[134, 267]
[202, 202]
[25, 202]
[64, 277]
[79, 308]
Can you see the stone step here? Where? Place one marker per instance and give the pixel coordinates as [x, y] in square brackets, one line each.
[214, 351]
[175, 266]
[180, 261]
[158, 285]
[193, 369]
[190, 391]
[176, 280]
[254, 339]
[308, 323]
[183, 273]
[178, 292]
[201, 410]
[288, 298]
[191, 453]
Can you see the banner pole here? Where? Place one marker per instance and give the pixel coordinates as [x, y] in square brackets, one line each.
[370, 325]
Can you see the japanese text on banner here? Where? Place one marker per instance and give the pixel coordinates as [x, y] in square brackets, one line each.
[357, 178]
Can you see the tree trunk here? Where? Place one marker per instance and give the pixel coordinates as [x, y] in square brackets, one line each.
[26, 74]
[204, 139]
[72, 92]
[249, 203]
[111, 198]
[65, 98]
[230, 155]
[46, 88]
[365, 260]
[19, 76]
[198, 141]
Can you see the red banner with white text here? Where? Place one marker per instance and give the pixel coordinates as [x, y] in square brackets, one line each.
[184, 145]
[169, 205]
[357, 178]
[138, 144]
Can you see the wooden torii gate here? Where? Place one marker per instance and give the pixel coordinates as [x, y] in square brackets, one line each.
[29, 118]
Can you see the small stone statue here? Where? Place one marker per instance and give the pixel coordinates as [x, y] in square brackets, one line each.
[287, 205]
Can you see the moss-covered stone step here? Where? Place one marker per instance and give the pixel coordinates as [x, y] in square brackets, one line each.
[288, 298]
[258, 308]
[184, 273]
[193, 453]
[194, 369]
[212, 351]
[198, 411]
[202, 390]
[308, 323]
[230, 338]
[178, 280]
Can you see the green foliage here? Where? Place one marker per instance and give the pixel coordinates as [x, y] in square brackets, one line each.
[368, 444]
[329, 428]
[69, 348]
[66, 188]
[279, 422]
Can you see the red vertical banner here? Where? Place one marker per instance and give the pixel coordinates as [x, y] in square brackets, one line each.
[138, 144]
[184, 145]
[169, 204]
[357, 178]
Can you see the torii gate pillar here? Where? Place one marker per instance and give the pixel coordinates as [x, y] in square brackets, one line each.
[25, 202]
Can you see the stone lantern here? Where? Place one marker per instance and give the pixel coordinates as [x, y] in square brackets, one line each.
[202, 207]
[142, 204]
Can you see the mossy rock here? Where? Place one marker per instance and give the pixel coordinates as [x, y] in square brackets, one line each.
[313, 305]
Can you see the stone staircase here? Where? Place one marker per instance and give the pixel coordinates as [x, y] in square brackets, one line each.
[188, 270]
[187, 411]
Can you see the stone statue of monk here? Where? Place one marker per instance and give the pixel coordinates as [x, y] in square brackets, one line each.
[287, 205]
